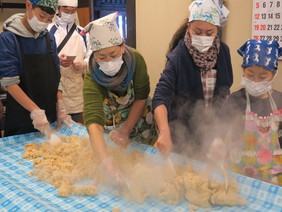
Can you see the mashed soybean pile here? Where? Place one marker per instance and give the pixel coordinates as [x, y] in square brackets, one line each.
[71, 161]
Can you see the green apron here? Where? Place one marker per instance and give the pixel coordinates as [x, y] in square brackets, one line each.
[116, 110]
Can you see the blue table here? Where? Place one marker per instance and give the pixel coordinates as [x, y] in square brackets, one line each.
[19, 192]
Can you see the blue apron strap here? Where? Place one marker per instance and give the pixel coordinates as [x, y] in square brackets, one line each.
[53, 29]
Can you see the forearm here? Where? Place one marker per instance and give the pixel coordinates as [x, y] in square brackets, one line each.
[164, 142]
[160, 115]
[19, 95]
[59, 94]
[134, 114]
[97, 140]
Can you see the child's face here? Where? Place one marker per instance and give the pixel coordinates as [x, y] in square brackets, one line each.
[258, 74]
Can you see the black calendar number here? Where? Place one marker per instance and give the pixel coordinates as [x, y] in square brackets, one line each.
[276, 27]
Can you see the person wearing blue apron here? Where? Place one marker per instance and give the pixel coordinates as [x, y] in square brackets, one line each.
[30, 69]
[255, 113]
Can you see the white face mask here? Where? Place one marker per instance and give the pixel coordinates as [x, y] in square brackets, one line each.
[37, 25]
[112, 67]
[69, 18]
[256, 88]
[202, 43]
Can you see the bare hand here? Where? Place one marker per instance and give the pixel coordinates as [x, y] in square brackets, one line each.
[65, 62]
[164, 143]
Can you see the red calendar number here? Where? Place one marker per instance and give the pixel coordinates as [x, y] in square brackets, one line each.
[263, 27]
[256, 37]
[257, 16]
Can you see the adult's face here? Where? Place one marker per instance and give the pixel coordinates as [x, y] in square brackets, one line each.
[108, 54]
[202, 28]
[67, 10]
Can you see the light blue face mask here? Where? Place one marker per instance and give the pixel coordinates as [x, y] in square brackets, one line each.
[256, 88]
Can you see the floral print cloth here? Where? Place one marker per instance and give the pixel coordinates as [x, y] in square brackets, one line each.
[103, 32]
[116, 110]
[259, 154]
[210, 11]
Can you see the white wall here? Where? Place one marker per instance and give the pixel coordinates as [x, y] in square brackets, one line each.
[157, 20]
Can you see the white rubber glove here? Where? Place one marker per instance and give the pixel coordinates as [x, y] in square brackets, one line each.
[217, 154]
[62, 116]
[217, 151]
[119, 137]
[40, 122]
[79, 65]
[110, 171]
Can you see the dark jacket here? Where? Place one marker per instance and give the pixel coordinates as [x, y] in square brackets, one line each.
[180, 87]
[180, 81]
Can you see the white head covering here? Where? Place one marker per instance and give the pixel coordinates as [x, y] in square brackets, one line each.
[103, 32]
[210, 11]
[70, 3]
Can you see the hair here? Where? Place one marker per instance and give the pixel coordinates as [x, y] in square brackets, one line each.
[91, 62]
[48, 10]
[178, 35]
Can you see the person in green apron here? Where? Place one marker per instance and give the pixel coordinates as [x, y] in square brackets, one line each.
[255, 113]
[29, 70]
[116, 92]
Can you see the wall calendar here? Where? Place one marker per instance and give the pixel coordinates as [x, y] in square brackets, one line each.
[267, 20]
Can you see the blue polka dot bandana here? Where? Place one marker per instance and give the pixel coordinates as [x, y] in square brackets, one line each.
[46, 3]
[263, 53]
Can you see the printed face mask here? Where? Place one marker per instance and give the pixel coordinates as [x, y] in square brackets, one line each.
[202, 43]
[256, 88]
[69, 18]
[112, 67]
[37, 25]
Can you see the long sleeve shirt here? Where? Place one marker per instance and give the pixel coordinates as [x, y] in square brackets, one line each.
[94, 94]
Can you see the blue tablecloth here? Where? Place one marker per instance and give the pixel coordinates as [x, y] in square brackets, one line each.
[19, 192]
